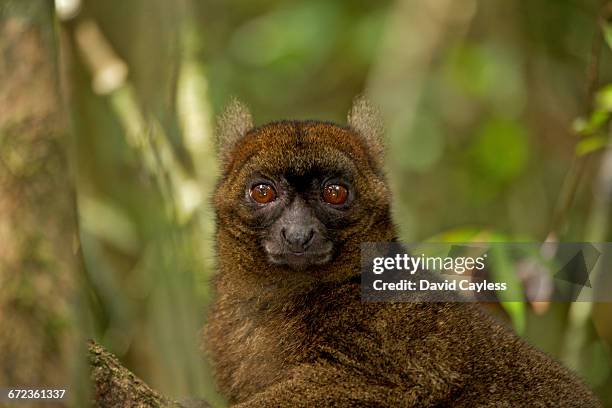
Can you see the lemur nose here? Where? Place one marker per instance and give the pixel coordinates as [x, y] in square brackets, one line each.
[298, 238]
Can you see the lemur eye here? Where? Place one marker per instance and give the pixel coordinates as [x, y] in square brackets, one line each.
[335, 194]
[262, 193]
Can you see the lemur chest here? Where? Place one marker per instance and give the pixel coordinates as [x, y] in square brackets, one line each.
[255, 350]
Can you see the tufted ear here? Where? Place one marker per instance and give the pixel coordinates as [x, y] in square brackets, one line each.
[232, 125]
[365, 119]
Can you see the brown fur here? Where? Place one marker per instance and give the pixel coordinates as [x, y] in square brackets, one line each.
[286, 338]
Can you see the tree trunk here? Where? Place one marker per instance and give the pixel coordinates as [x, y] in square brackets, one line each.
[38, 266]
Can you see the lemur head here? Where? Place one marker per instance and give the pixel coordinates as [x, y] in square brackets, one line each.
[301, 190]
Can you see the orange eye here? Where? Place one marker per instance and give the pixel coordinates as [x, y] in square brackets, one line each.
[335, 194]
[262, 193]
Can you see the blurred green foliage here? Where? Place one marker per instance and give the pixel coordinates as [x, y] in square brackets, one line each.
[482, 100]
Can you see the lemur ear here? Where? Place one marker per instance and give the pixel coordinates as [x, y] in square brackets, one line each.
[232, 125]
[365, 119]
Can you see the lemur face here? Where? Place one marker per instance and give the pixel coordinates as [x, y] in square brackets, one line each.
[301, 214]
[292, 186]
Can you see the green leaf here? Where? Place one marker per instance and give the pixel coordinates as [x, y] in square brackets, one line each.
[607, 31]
[591, 144]
[604, 98]
[463, 234]
[587, 127]
[504, 271]
[517, 313]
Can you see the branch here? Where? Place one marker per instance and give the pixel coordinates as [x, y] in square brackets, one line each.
[115, 386]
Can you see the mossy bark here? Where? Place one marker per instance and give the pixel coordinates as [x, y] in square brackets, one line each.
[115, 386]
[38, 262]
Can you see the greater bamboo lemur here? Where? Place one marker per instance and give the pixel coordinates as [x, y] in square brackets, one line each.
[288, 329]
